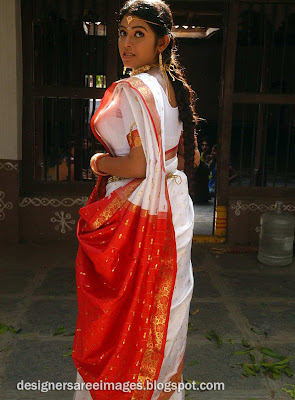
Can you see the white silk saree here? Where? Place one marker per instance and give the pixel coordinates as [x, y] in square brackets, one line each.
[133, 268]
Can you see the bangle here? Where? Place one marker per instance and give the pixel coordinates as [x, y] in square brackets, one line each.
[93, 163]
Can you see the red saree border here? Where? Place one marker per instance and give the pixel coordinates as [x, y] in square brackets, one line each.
[174, 378]
[152, 361]
[152, 353]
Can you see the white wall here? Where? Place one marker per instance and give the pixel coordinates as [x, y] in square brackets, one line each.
[10, 80]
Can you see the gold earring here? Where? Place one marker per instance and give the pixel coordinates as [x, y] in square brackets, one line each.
[124, 70]
[161, 64]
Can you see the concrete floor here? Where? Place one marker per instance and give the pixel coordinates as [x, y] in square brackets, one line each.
[233, 293]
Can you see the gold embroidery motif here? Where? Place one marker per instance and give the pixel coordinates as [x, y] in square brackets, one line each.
[155, 338]
[133, 138]
[113, 206]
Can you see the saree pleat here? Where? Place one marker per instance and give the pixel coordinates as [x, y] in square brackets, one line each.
[127, 265]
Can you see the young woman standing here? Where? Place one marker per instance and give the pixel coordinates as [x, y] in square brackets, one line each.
[133, 268]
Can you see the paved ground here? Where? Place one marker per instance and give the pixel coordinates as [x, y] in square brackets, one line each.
[233, 293]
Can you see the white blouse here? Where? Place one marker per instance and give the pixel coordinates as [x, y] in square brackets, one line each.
[114, 124]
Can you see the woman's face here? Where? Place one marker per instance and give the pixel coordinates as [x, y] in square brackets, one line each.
[140, 41]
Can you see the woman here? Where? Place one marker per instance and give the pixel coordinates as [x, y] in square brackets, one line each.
[133, 267]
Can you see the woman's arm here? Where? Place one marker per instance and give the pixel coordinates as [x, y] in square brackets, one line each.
[133, 165]
[180, 154]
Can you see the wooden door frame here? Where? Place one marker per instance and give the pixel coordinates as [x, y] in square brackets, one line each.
[229, 46]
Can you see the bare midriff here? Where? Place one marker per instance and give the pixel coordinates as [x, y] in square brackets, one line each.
[171, 153]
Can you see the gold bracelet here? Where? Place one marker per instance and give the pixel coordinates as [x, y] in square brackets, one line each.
[96, 171]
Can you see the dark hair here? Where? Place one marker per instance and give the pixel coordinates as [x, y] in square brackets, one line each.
[205, 139]
[159, 12]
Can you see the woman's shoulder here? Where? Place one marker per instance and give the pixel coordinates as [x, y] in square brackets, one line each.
[141, 78]
[143, 83]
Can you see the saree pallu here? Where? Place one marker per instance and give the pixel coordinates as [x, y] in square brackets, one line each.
[128, 262]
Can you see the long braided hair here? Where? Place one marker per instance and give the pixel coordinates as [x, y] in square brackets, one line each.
[159, 12]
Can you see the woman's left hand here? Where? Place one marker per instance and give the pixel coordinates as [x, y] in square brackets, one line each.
[93, 162]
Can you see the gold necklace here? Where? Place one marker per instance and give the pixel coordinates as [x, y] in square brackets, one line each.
[147, 67]
[144, 68]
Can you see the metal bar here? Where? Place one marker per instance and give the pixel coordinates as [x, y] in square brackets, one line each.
[51, 128]
[241, 142]
[284, 48]
[260, 55]
[264, 85]
[288, 147]
[104, 55]
[275, 146]
[82, 84]
[254, 129]
[88, 38]
[38, 122]
[281, 90]
[57, 134]
[56, 43]
[264, 177]
[45, 130]
[70, 139]
[94, 45]
[76, 188]
[112, 53]
[64, 92]
[69, 101]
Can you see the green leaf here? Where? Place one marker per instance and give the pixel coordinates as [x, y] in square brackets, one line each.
[69, 353]
[270, 353]
[230, 340]
[60, 330]
[248, 369]
[276, 373]
[282, 363]
[255, 331]
[291, 391]
[191, 381]
[209, 337]
[285, 361]
[69, 334]
[265, 334]
[191, 326]
[242, 351]
[288, 371]
[245, 343]
[193, 363]
[252, 357]
[214, 334]
[256, 367]
[11, 328]
[3, 328]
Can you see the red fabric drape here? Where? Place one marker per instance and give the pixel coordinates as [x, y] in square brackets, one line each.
[125, 274]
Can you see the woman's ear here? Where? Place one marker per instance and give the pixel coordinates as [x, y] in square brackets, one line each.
[163, 43]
